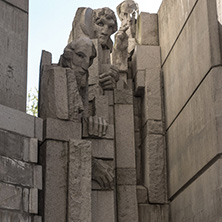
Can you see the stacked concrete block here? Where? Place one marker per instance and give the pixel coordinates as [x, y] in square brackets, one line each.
[13, 55]
[20, 174]
[191, 60]
[125, 155]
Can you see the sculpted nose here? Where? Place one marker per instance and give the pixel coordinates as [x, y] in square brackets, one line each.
[85, 64]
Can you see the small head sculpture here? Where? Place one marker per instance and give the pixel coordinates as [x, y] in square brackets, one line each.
[105, 24]
[78, 55]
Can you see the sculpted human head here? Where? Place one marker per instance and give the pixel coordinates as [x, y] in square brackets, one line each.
[78, 55]
[105, 24]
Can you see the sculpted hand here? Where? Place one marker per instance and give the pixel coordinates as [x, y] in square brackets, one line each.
[97, 126]
[108, 79]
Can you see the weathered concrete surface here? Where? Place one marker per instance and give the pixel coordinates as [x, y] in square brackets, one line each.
[172, 16]
[196, 51]
[195, 137]
[103, 206]
[147, 29]
[126, 176]
[201, 201]
[154, 167]
[127, 203]
[79, 185]
[53, 157]
[9, 216]
[154, 213]
[13, 56]
[22, 4]
[11, 197]
[142, 194]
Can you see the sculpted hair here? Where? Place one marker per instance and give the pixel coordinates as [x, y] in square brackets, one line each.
[107, 13]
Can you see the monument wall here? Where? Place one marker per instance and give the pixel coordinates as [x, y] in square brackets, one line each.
[189, 35]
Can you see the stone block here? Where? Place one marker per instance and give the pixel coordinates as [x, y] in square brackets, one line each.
[137, 106]
[102, 148]
[201, 200]
[13, 55]
[54, 93]
[79, 181]
[142, 194]
[30, 150]
[195, 137]
[25, 199]
[125, 144]
[33, 201]
[127, 204]
[153, 127]
[102, 107]
[154, 213]
[123, 96]
[154, 166]
[23, 4]
[146, 57]
[16, 172]
[8, 142]
[103, 209]
[147, 29]
[184, 68]
[37, 176]
[10, 197]
[10, 216]
[61, 130]
[126, 176]
[39, 128]
[16, 121]
[111, 115]
[54, 158]
[139, 82]
[37, 219]
[110, 95]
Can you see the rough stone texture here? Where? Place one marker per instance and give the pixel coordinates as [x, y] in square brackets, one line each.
[33, 201]
[201, 201]
[9, 216]
[13, 55]
[142, 194]
[194, 138]
[37, 219]
[11, 198]
[102, 148]
[172, 16]
[16, 172]
[125, 145]
[53, 157]
[126, 176]
[147, 29]
[139, 82]
[127, 204]
[123, 96]
[153, 127]
[102, 107]
[79, 189]
[185, 68]
[154, 166]
[61, 130]
[154, 213]
[103, 206]
[53, 94]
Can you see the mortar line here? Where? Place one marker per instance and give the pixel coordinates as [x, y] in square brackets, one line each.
[196, 176]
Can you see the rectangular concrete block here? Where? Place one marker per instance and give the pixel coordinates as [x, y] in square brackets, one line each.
[185, 68]
[39, 128]
[54, 158]
[194, 138]
[10, 216]
[142, 194]
[16, 172]
[61, 130]
[33, 201]
[201, 201]
[126, 176]
[153, 127]
[172, 16]
[139, 82]
[25, 199]
[79, 181]
[154, 168]
[102, 107]
[102, 148]
[10, 197]
[30, 150]
[37, 219]
[127, 204]
[147, 29]
[103, 206]
[125, 144]
[13, 55]
[54, 93]
[37, 176]
[154, 213]
[123, 96]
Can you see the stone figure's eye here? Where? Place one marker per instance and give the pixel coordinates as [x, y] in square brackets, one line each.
[100, 24]
[110, 27]
[80, 55]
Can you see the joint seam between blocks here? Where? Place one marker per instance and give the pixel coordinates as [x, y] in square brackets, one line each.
[196, 176]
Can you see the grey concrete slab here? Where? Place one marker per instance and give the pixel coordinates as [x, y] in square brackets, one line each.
[195, 137]
[6, 216]
[195, 52]
[201, 201]
[13, 55]
[126, 176]
[172, 16]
